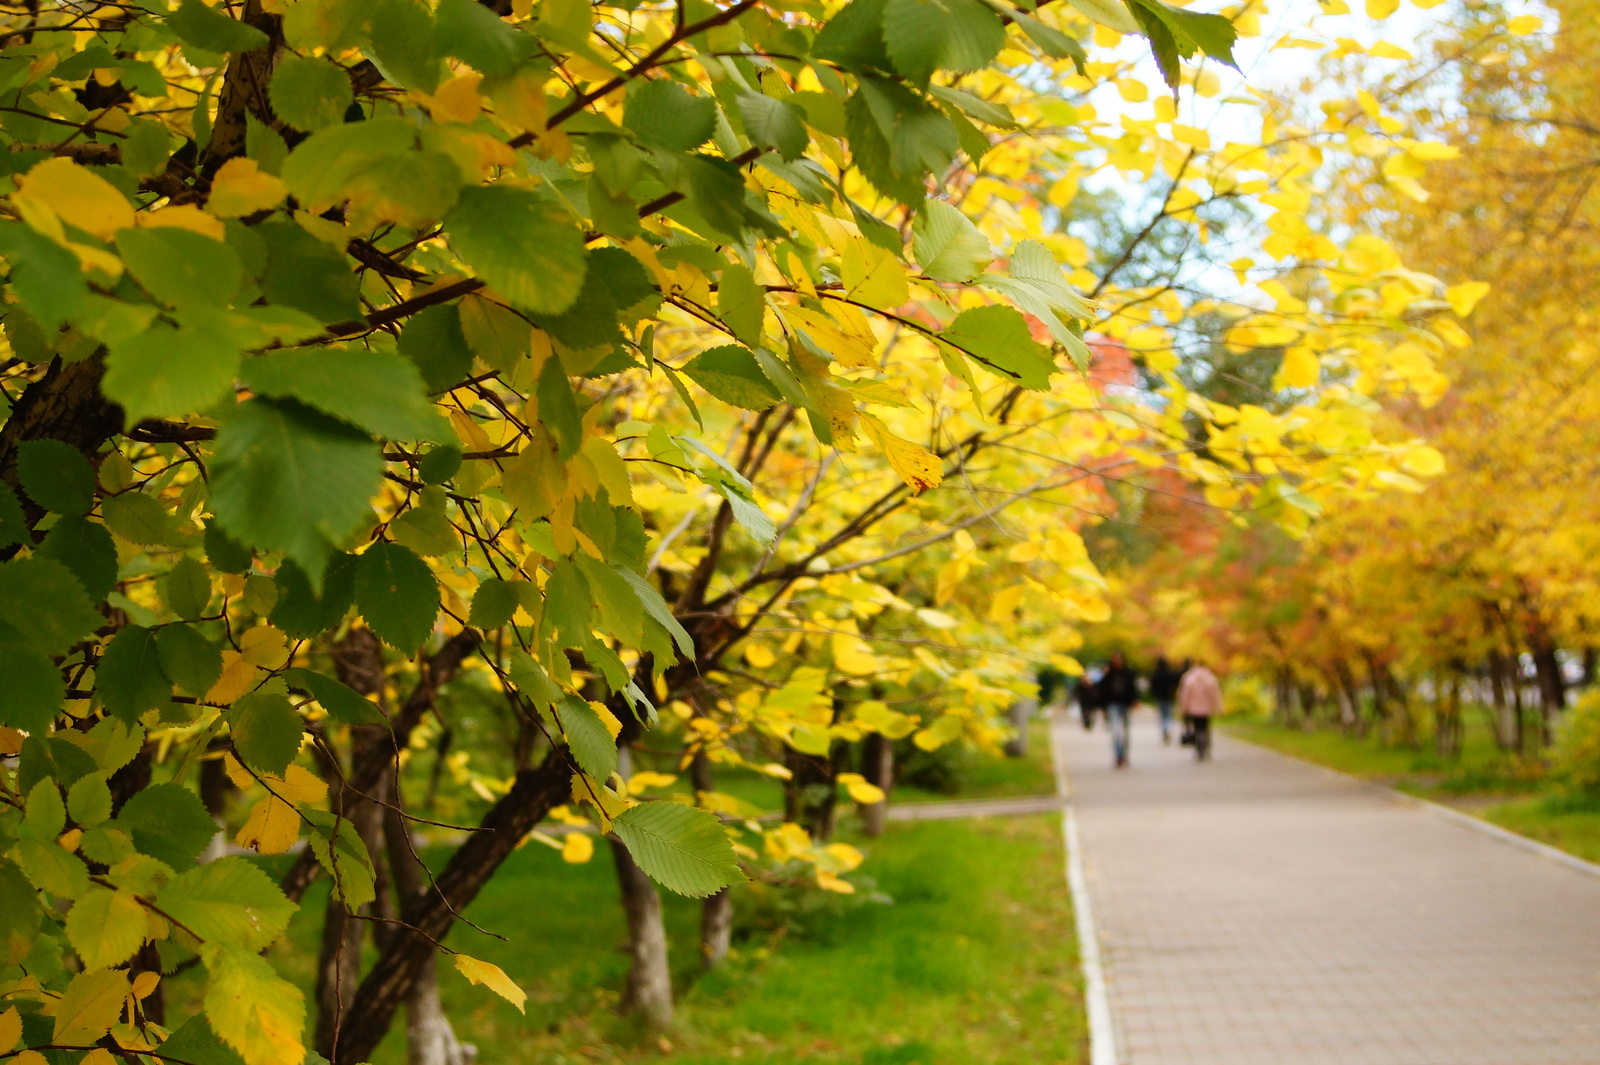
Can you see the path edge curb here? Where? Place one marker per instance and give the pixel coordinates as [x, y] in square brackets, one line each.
[1097, 1002]
[1443, 812]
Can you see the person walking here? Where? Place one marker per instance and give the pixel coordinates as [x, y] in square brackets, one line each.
[1199, 700]
[1163, 690]
[1119, 690]
[1086, 692]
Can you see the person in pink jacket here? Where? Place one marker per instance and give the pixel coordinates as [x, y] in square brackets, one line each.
[1199, 699]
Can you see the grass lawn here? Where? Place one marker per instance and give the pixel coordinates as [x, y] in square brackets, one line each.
[966, 956]
[1484, 781]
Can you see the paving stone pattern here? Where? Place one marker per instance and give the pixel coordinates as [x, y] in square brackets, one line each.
[1255, 910]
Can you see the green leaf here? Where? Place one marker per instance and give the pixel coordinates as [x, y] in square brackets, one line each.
[52, 869]
[309, 93]
[999, 338]
[492, 604]
[306, 274]
[137, 518]
[776, 124]
[558, 409]
[619, 606]
[426, 531]
[521, 243]
[658, 609]
[266, 731]
[434, 340]
[33, 690]
[46, 277]
[376, 390]
[914, 32]
[13, 525]
[566, 606]
[341, 851]
[345, 704]
[187, 588]
[403, 44]
[853, 37]
[229, 901]
[897, 138]
[983, 110]
[86, 548]
[45, 813]
[46, 604]
[129, 677]
[398, 595]
[741, 304]
[208, 29]
[19, 911]
[105, 927]
[287, 478]
[438, 464]
[324, 167]
[1038, 285]
[531, 679]
[472, 33]
[616, 291]
[168, 822]
[680, 847]
[180, 267]
[587, 737]
[300, 611]
[56, 476]
[189, 660]
[1190, 30]
[732, 374]
[249, 1005]
[194, 1043]
[265, 145]
[1051, 41]
[947, 245]
[225, 554]
[1110, 13]
[166, 372]
[89, 800]
[665, 115]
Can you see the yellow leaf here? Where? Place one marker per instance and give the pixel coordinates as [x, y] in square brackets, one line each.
[264, 646]
[98, 1056]
[10, 1029]
[1523, 25]
[577, 849]
[490, 976]
[759, 655]
[829, 882]
[253, 1009]
[241, 188]
[852, 655]
[1381, 9]
[860, 790]
[457, 100]
[851, 341]
[1301, 369]
[1464, 297]
[646, 779]
[1386, 50]
[185, 216]
[272, 827]
[1005, 603]
[30, 1057]
[872, 275]
[607, 718]
[79, 196]
[238, 677]
[143, 984]
[89, 1006]
[917, 467]
[1423, 461]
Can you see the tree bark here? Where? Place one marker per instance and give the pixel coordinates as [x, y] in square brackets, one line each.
[877, 767]
[648, 994]
[1552, 686]
[716, 929]
[1022, 712]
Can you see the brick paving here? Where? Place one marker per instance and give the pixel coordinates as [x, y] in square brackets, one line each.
[1258, 911]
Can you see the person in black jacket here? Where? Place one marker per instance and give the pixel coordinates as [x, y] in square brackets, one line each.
[1119, 690]
[1087, 694]
[1163, 690]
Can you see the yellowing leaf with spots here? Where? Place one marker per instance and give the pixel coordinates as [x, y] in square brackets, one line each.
[917, 467]
[492, 977]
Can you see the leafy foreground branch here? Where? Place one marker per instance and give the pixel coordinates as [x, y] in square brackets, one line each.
[369, 361]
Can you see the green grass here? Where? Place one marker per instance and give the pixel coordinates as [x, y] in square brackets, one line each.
[991, 775]
[1571, 823]
[957, 950]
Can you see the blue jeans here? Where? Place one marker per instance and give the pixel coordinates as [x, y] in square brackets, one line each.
[1165, 707]
[1117, 717]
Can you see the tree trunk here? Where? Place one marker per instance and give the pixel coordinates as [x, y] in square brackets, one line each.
[1022, 712]
[1507, 727]
[430, 1038]
[1552, 687]
[648, 994]
[716, 929]
[877, 766]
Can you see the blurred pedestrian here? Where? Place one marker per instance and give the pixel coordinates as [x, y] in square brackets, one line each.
[1119, 691]
[1163, 690]
[1199, 700]
[1087, 694]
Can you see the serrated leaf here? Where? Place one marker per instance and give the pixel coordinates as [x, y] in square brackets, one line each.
[187, 588]
[853, 37]
[665, 115]
[376, 390]
[403, 42]
[86, 548]
[304, 273]
[918, 467]
[999, 338]
[165, 372]
[45, 814]
[341, 851]
[56, 476]
[13, 526]
[129, 677]
[194, 1043]
[45, 604]
[657, 608]
[210, 30]
[397, 594]
[253, 1009]
[772, 123]
[189, 660]
[427, 532]
[897, 138]
[89, 1007]
[266, 731]
[105, 927]
[168, 822]
[344, 703]
[179, 267]
[52, 869]
[492, 604]
[33, 690]
[492, 977]
[1038, 285]
[588, 738]
[741, 304]
[287, 478]
[309, 93]
[522, 244]
[683, 849]
[732, 374]
[89, 800]
[300, 611]
[947, 245]
[229, 901]
[619, 606]
[46, 277]
[434, 339]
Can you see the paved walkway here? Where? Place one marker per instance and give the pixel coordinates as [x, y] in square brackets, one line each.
[953, 808]
[1258, 911]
